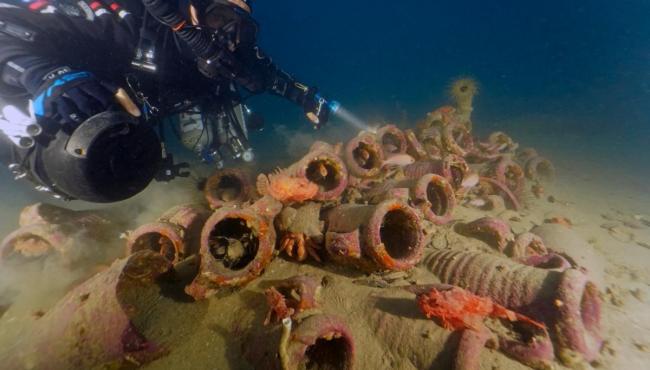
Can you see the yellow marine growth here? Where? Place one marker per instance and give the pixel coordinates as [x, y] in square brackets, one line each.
[462, 91]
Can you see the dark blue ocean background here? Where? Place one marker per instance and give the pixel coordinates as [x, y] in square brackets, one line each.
[569, 78]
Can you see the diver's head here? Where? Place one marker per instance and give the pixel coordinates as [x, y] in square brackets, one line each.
[231, 53]
[232, 16]
[226, 14]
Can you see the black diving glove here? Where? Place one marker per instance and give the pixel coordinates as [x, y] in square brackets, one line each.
[316, 107]
[71, 97]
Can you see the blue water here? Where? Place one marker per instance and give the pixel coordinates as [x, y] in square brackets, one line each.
[567, 69]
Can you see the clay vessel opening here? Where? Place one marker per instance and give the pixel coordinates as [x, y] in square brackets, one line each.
[325, 173]
[233, 243]
[554, 262]
[437, 198]
[520, 332]
[457, 175]
[227, 189]
[545, 170]
[399, 233]
[27, 246]
[328, 354]
[391, 143]
[156, 242]
[366, 157]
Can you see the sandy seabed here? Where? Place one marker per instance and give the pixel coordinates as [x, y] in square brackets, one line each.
[591, 206]
[210, 334]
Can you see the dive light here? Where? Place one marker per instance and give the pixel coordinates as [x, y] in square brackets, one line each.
[343, 114]
[333, 105]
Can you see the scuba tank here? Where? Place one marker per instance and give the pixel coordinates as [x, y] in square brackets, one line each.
[217, 132]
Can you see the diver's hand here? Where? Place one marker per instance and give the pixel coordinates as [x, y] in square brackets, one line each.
[316, 108]
[71, 97]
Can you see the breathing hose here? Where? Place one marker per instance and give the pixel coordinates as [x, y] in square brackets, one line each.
[197, 39]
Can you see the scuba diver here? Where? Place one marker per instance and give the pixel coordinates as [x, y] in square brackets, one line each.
[87, 87]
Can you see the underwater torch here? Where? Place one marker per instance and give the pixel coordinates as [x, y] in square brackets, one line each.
[345, 115]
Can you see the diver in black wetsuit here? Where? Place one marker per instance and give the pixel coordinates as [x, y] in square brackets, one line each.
[84, 85]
